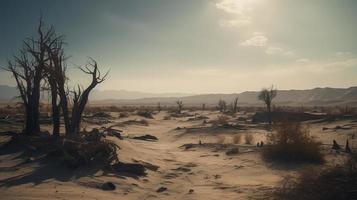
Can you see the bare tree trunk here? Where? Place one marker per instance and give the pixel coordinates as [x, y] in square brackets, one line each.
[269, 113]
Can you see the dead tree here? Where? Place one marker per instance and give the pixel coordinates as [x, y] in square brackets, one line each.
[235, 105]
[80, 96]
[159, 107]
[28, 72]
[222, 105]
[267, 95]
[179, 106]
[56, 62]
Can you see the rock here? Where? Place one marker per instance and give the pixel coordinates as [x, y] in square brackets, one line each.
[183, 169]
[115, 133]
[108, 186]
[190, 191]
[131, 168]
[232, 151]
[146, 137]
[161, 189]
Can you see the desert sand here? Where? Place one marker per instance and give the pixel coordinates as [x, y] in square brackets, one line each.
[200, 172]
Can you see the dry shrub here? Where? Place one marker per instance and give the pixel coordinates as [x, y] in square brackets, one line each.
[123, 115]
[291, 141]
[86, 148]
[145, 113]
[220, 121]
[248, 138]
[167, 117]
[237, 139]
[221, 139]
[339, 182]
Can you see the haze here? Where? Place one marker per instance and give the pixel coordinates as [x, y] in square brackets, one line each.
[200, 46]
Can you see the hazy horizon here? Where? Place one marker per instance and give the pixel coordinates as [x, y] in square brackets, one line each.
[213, 46]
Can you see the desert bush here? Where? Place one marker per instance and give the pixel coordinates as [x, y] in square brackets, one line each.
[86, 148]
[237, 139]
[339, 182]
[221, 139]
[220, 121]
[145, 113]
[291, 141]
[248, 138]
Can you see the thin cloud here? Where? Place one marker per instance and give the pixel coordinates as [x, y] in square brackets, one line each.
[258, 40]
[272, 50]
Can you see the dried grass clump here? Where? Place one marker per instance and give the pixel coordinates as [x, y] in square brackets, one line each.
[291, 141]
[339, 182]
[221, 120]
[221, 139]
[237, 139]
[145, 113]
[85, 148]
[248, 138]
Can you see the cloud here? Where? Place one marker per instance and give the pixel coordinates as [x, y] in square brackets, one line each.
[258, 40]
[272, 50]
[238, 9]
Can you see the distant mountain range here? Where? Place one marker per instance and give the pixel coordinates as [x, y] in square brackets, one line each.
[311, 97]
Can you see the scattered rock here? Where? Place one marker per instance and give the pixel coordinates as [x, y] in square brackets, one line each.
[108, 186]
[131, 168]
[146, 137]
[161, 189]
[232, 151]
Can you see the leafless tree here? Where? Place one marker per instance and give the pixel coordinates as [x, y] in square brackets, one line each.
[267, 95]
[28, 71]
[159, 107]
[222, 105]
[179, 106]
[235, 105]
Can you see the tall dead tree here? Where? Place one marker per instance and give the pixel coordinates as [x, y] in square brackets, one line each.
[267, 95]
[28, 70]
[79, 97]
[56, 62]
[222, 105]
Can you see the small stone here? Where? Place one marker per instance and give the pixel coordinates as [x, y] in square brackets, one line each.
[161, 189]
[108, 186]
[232, 151]
[190, 191]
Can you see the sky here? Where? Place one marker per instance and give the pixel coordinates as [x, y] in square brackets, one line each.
[196, 46]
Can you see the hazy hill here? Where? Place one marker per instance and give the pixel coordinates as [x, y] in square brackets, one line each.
[311, 97]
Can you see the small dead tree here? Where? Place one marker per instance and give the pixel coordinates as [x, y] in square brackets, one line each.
[267, 95]
[203, 106]
[28, 71]
[179, 106]
[222, 105]
[159, 107]
[235, 105]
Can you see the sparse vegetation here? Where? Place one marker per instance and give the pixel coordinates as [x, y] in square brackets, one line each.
[291, 141]
[339, 182]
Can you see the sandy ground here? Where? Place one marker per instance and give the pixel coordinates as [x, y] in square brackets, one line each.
[197, 173]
